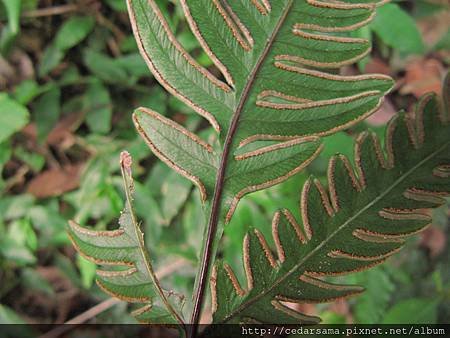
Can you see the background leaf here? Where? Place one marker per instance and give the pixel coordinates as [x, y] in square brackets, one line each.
[47, 110]
[412, 311]
[14, 116]
[98, 107]
[10, 32]
[397, 29]
[73, 31]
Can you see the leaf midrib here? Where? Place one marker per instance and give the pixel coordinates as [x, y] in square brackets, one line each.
[218, 190]
[339, 229]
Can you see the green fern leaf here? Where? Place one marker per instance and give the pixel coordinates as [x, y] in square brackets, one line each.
[275, 69]
[363, 219]
[281, 92]
[133, 279]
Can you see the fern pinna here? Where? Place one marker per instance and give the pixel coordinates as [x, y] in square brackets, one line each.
[127, 271]
[280, 94]
[361, 220]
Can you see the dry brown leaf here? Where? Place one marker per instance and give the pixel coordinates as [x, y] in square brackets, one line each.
[433, 239]
[56, 181]
[17, 68]
[423, 76]
[62, 133]
[64, 129]
[378, 66]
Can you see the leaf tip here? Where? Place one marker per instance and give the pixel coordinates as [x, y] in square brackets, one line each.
[126, 161]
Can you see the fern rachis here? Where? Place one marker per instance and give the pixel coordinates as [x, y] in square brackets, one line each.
[280, 95]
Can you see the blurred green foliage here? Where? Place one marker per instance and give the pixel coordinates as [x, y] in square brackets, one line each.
[72, 80]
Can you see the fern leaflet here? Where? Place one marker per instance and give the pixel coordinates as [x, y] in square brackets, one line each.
[127, 271]
[361, 221]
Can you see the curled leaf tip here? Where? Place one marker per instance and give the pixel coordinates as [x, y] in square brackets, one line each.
[126, 161]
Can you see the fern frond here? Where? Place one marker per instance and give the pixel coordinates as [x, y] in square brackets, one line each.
[276, 57]
[279, 60]
[132, 279]
[362, 219]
